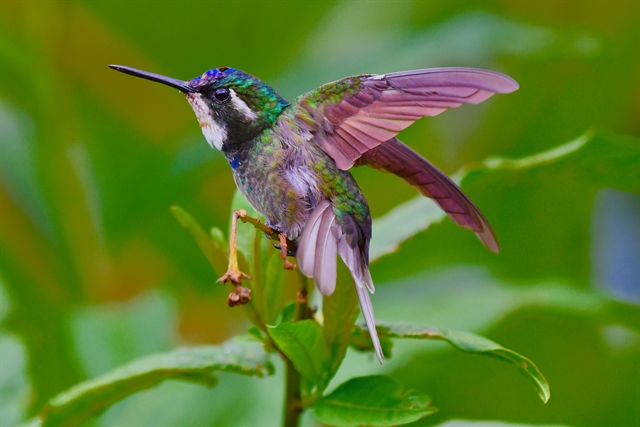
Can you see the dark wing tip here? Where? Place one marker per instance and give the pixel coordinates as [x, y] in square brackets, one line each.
[488, 239]
[487, 236]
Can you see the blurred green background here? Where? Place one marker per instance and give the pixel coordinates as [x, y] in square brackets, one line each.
[95, 271]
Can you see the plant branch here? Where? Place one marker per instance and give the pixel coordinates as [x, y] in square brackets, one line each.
[270, 232]
[293, 399]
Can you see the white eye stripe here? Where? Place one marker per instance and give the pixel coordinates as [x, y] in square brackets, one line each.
[242, 106]
[214, 133]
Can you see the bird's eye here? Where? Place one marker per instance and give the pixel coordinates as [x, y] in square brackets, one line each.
[221, 94]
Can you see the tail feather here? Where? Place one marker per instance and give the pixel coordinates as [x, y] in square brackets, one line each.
[307, 246]
[358, 265]
[324, 271]
[321, 240]
[367, 312]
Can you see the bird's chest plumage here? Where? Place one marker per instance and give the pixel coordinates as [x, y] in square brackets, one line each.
[281, 180]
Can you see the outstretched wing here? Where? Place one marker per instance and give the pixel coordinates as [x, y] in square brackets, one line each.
[356, 114]
[395, 157]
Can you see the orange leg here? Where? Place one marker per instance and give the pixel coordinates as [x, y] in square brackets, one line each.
[233, 274]
[283, 252]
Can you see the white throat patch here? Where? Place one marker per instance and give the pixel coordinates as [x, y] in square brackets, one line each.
[215, 134]
[241, 106]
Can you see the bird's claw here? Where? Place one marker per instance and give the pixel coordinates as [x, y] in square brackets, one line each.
[284, 252]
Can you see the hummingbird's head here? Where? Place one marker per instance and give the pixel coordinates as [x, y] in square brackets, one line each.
[232, 106]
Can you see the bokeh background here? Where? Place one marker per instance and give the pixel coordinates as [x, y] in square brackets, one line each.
[95, 271]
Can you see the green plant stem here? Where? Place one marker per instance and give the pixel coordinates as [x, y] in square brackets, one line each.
[293, 398]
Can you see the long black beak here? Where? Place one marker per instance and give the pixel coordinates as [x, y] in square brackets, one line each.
[181, 85]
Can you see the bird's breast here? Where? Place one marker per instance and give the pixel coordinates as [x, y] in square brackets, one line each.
[282, 184]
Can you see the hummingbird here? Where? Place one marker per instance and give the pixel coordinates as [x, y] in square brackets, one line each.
[291, 159]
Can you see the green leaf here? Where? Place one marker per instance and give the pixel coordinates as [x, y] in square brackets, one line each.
[274, 287]
[218, 239]
[214, 247]
[372, 401]
[303, 344]
[602, 158]
[107, 336]
[13, 380]
[464, 341]
[340, 311]
[288, 313]
[240, 356]
[361, 341]
[402, 223]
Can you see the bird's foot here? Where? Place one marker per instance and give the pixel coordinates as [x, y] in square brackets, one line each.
[283, 252]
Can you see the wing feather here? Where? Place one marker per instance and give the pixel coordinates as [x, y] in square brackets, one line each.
[379, 123]
[395, 157]
[364, 130]
[374, 108]
[353, 141]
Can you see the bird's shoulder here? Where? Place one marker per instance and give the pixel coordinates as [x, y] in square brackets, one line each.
[329, 94]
